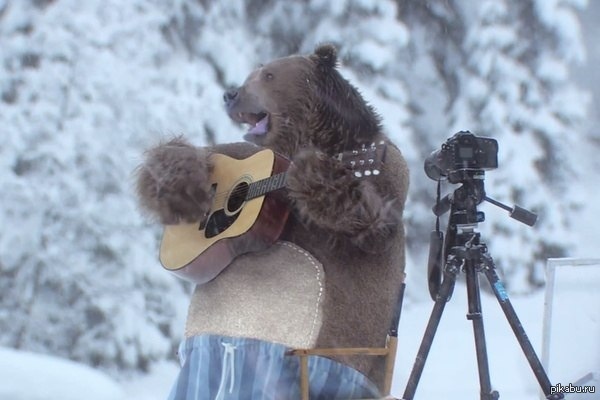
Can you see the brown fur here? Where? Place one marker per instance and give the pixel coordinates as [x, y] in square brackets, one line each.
[325, 195]
[353, 227]
[172, 183]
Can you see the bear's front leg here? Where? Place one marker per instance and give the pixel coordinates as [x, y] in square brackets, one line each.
[173, 182]
[325, 193]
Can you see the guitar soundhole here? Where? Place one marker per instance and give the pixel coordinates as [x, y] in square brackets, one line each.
[218, 222]
[237, 197]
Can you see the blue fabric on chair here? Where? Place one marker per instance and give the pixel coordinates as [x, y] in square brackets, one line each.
[216, 367]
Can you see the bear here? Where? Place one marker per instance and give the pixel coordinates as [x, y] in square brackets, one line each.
[302, 108]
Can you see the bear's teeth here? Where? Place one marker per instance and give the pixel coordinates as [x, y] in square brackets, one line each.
[260, 127]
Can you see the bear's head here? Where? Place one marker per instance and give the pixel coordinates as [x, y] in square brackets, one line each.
[302, 100]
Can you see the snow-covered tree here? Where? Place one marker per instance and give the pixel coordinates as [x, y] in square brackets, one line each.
[84, 86]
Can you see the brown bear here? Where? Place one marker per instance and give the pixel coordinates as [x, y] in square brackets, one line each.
[348, 228]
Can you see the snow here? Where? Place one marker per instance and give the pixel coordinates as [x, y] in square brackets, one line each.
[560, 16]
[29, 376]
[152, 386]
[572, 330]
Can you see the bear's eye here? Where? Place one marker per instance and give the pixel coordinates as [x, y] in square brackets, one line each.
[269, 76]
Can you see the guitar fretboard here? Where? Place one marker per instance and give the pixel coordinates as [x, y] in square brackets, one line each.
[364, 162]
[267, 185]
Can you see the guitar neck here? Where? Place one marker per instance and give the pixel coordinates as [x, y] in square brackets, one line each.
[267, 185]
[364, 162]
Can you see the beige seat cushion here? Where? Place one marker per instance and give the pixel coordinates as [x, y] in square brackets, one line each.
[275, 295]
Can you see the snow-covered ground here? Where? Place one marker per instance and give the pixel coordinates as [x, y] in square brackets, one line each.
[451, 368]
[29, 376]
[450, 371]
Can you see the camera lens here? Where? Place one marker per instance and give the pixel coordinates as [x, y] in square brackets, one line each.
[432, 168]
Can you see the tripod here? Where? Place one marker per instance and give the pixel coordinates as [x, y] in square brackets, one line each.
[464, 251]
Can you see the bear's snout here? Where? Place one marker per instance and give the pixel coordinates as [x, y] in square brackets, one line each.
[230, 97]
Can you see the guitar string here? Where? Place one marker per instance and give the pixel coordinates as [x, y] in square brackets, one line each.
[238, 190]
[220, 196]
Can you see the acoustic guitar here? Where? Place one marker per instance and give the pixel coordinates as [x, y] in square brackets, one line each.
[245, 215]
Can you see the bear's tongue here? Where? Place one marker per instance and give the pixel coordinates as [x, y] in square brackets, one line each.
[260, 126]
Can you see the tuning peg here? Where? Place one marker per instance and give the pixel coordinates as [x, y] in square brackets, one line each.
[361, 162]
[367, 172]
[357, 174]
[371, 161]
[375, 172]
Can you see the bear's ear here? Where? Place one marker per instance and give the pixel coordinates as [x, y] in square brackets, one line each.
[325, 56]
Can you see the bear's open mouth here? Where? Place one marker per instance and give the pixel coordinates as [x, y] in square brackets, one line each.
[259, 122]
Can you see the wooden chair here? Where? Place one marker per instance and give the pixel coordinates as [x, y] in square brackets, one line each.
[389, 352]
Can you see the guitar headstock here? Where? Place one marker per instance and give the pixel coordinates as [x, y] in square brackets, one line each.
[365, 161]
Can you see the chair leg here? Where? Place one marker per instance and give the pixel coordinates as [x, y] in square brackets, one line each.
[304, 377]
[390, 360]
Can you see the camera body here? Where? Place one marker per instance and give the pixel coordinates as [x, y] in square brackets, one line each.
[462, 159]
[463, 151]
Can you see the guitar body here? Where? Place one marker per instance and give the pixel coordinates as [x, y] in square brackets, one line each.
[199, 251]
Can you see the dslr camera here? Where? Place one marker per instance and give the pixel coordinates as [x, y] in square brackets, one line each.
[463, 151]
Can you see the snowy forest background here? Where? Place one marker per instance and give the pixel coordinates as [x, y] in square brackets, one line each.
[86, 86]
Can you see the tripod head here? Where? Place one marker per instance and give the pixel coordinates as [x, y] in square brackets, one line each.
[465, 199]
[472, 193]
[463, 220]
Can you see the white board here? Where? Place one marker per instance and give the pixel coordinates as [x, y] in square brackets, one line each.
[571, 330]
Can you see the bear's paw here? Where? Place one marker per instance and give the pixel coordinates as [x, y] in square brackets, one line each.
[173, 184]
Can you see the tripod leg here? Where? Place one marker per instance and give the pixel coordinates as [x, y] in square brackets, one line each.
[519, 331]
[475, 316]
[450, 272]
